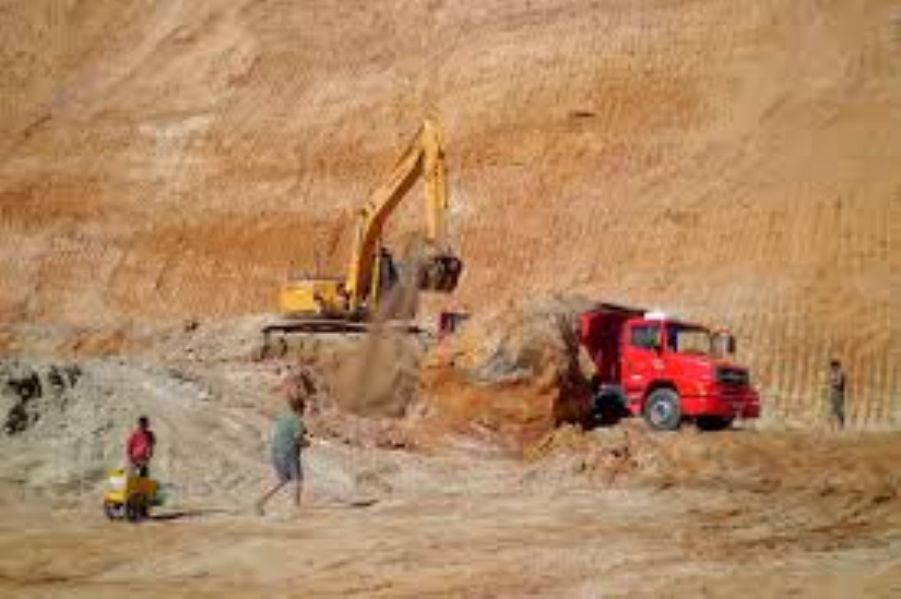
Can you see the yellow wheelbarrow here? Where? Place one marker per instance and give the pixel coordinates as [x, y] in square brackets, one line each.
[129, 496]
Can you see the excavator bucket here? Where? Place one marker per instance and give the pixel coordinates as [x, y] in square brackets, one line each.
[440, 273]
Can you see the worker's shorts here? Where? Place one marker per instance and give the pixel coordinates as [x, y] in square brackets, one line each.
[287, 468]
[837, 406]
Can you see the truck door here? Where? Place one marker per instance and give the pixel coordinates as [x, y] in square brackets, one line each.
[641, 359]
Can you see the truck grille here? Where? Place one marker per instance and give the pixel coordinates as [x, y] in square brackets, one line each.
[732, 377]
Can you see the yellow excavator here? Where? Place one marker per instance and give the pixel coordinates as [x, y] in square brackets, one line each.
[352, 302]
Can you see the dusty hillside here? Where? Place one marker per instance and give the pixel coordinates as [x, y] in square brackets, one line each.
[736, 162]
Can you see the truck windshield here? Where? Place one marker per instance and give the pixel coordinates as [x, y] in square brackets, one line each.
[686, 339]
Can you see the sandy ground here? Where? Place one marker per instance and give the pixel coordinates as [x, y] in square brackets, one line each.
[506, 533]
[405, 507]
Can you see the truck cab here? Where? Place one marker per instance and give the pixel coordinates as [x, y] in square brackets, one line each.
[665, 369]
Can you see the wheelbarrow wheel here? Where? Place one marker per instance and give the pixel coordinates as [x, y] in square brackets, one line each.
[135, 510]
[112, 511]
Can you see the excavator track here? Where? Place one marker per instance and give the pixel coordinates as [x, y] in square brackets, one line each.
[275, 344]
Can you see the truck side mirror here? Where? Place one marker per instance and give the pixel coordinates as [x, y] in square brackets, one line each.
[723, 344]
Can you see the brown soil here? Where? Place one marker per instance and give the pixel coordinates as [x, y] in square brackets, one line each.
[516, 372]
[826, 522]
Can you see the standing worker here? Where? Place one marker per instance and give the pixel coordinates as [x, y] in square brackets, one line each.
[837, 382]
[288, 440]
[139, 448]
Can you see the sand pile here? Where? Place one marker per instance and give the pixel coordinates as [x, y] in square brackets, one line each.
[65, 426]
[517, 372]
[628, 454]
[364, 384]
[856, 471]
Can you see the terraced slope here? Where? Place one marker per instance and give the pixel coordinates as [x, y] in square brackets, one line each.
[735, 162]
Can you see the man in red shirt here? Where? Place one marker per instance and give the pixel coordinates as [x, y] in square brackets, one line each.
[139, 448]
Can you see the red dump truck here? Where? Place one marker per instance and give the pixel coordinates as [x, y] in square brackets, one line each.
[665, 369]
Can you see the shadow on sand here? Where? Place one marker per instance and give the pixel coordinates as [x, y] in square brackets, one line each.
[185, 514]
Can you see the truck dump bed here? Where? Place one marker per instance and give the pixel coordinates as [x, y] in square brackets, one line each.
[599, 332]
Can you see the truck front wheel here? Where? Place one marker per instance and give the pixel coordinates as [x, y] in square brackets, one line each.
[663, 410]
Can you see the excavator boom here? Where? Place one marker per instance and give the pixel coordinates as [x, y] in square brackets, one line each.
[356, 296]
[424, 157]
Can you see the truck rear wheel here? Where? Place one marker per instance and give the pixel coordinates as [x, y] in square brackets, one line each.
[663, 410]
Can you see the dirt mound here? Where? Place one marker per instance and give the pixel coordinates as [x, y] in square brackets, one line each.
[627, 454]
[30, 396]
[516, 372]
[65, 425]
[372, 375]
[854, 471]
[364, 384]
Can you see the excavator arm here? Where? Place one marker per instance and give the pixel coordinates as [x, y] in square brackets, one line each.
[356, 296]
[439, 270]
